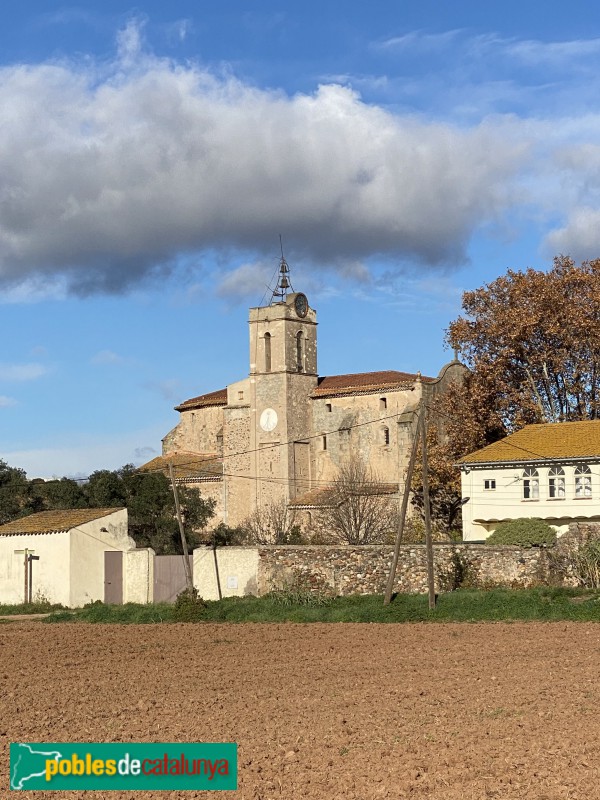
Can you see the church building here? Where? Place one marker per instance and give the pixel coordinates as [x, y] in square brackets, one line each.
[282, 433]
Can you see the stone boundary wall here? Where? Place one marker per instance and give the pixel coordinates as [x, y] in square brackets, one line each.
[584, 530]
[364, 570]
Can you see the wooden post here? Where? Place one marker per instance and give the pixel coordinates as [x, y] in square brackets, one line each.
[26, 594]
[31, 559]
[427, 515]
[186, 558]
[218, 577]
[407, 483]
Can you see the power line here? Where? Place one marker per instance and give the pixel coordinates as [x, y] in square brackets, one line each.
[267, 446]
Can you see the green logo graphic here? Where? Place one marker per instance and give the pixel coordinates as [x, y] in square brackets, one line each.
[153, 766]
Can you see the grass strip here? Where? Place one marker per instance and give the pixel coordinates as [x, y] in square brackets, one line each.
[466, 605]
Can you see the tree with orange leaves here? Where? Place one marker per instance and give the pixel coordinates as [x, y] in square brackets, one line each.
[531, 341]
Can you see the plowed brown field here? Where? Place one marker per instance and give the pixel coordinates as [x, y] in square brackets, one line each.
[323, 711]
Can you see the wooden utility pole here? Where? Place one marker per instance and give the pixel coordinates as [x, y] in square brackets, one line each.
[26, 588]
[186, 558]
[31, 559]
[427, 514]
[402, 518]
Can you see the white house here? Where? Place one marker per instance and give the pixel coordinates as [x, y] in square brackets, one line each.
[549, 471]
[68, 549]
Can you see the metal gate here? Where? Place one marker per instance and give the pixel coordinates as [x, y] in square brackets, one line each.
[169, 577]
[113, 577]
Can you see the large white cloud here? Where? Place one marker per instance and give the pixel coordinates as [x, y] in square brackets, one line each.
[109, 174]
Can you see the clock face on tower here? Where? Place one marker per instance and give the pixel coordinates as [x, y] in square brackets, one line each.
[301, 305]
[268, 420]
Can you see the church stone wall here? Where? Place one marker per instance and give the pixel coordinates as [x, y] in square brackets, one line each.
[237, 462]
[196, 432]
[356, 425]
[210, 490]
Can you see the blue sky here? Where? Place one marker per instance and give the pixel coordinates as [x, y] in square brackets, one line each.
[151, 155]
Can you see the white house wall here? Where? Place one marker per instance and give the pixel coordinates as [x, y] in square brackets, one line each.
[138, 575]
[485, 508]
[50, 574]
[88, 543]
[238, 572]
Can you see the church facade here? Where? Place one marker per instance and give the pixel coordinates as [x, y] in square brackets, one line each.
[282, 433]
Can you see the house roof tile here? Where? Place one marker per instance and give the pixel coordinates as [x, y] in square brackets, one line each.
[54, 521]
[541, 443]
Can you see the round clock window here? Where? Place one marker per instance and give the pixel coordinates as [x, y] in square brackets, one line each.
[301, 305]
[268, 420]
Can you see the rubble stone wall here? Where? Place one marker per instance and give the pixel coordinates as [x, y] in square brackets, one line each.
[364, 570]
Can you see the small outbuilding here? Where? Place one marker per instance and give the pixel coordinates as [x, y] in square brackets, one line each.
[60, 556]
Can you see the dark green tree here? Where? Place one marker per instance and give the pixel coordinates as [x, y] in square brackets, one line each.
[151, 506]
[14, 493]
[62, 493]
[105, 489]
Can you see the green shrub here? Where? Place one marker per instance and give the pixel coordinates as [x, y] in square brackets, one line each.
[524, 533]
[189, 606]
[458, 573]
[296, 590]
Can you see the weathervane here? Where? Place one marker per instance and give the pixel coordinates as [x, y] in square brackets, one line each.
[284, 284]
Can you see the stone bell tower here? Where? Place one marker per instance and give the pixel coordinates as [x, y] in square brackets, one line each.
[283, 374]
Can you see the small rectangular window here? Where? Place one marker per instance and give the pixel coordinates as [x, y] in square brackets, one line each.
[382, 403]
[240, 395]
[328, 406]
[489, 484]
[324, 442]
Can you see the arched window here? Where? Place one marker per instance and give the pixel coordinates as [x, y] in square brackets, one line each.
[300, 351]
[267, 352]
[583, 481]
[531, 484]
[556, 483]
[385, 436]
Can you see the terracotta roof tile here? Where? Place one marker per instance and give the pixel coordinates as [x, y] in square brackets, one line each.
[218, 398]
[365, 382]
[328, 386]
[542, 442]
[315, 498]
[54, 521]
[187, 465]
[329, 496]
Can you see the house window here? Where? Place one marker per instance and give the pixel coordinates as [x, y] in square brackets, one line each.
[382, 403]
[531, 484]
[386, 436]
[556, 483]
[583, 481]
[300, 352]
[328, 407]
[267, 352]
[489, 484]
[240, 395]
